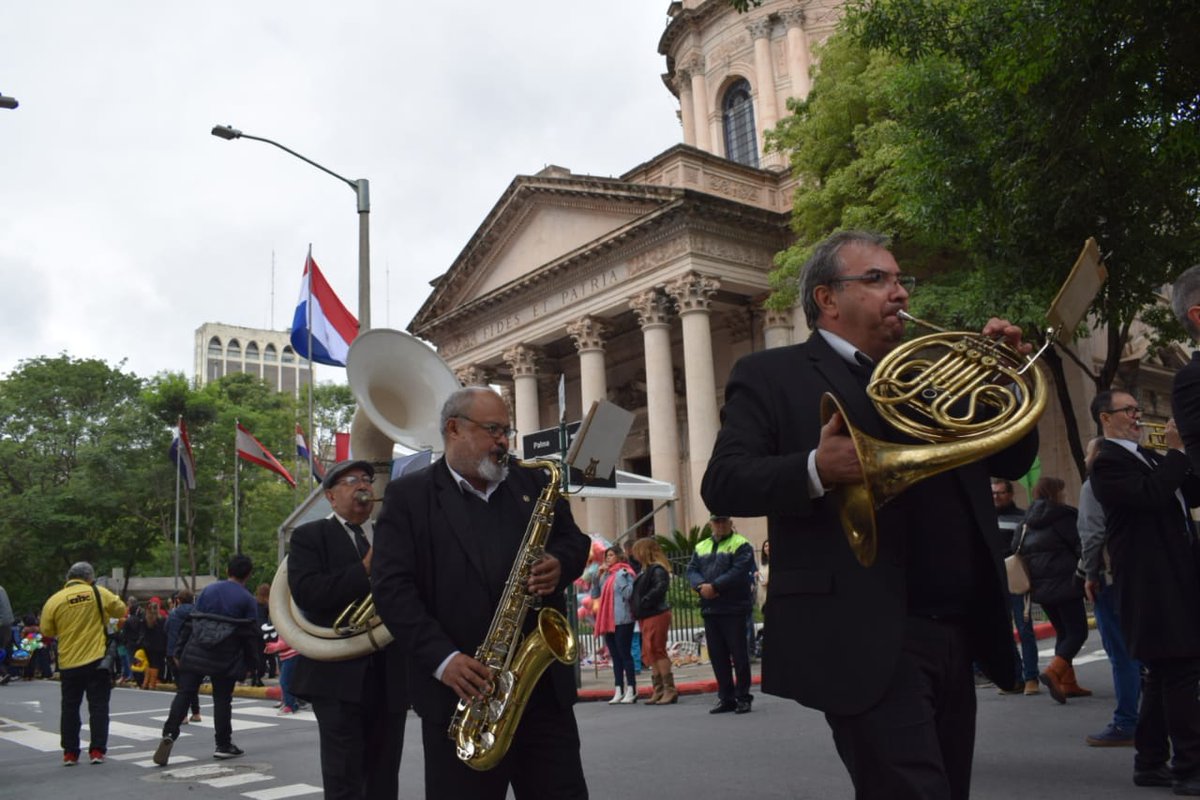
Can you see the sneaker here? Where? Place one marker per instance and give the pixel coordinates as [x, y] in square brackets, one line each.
[196, 717]
[96, 756]
[1112, 736]
[284, 711]
[163, 752]
[70, 759]
[232, 751]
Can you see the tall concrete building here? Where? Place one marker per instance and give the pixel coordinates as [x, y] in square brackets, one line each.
[227, 349]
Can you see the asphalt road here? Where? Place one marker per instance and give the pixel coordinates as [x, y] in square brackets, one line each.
[1027, 748]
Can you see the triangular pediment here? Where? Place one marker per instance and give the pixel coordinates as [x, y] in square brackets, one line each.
[538, 221]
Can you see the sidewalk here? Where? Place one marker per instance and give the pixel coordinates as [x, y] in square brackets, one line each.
[596, 684]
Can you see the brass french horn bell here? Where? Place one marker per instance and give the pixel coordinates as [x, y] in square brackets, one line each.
[965, 394]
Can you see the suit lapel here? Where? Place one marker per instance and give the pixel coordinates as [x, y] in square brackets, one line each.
[454, 509]
[342, 548]
[836, 372]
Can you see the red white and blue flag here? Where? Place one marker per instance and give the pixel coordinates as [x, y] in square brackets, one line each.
[186, 463]
[303, 453]
[252, 450]
[333, 327]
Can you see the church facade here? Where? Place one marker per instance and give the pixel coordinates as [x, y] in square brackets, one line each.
[643, 289]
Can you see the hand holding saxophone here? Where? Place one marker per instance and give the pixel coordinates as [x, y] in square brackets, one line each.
[467, 677]
[544, 575]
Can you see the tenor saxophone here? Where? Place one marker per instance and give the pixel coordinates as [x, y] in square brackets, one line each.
[482, 729]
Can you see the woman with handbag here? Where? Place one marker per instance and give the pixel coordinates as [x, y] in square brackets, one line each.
[653, 613]
[1051, 551]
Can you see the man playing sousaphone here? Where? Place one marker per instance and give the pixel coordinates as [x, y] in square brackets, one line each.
[360, 703]
[896, 639]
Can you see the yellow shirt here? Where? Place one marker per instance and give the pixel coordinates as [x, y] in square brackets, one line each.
[70, 616]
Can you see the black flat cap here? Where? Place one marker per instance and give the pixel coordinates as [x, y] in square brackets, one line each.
[342, 467]
[719, 517]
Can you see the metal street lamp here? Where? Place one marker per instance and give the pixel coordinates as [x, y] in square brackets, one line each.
[361, 189]
[8, 102]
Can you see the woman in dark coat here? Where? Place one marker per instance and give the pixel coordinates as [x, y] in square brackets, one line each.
[1051, 548]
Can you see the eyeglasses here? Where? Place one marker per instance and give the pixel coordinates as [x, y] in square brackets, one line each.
[354, 480]
[492, 429]
[1001, 493]
[1132, 411]
[879, 278]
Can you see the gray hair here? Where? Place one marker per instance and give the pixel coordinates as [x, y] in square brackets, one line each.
[459, 403]
[82, 570]
[1185, 293]
[823, 265]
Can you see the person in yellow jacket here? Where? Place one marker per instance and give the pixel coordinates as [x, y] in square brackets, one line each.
[79, 615]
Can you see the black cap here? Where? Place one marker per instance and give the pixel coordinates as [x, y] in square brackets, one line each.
[342, 467]
[719, 517]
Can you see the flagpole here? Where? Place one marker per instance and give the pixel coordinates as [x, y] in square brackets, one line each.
[308, 309]
[178, 463]
[236, 463]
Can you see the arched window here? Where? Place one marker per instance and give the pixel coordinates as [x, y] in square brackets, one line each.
[214, 348]
[234, 351]
[269, 354]
[289, 356]
[252, 351]
[741, 142]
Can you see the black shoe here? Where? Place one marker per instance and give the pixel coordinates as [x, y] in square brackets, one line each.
[163, 753]
[723, 707]
[1159, 776]
[1188, 786]
[743, 706]
[233, 751]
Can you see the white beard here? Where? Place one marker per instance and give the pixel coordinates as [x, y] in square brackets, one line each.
[490, 471]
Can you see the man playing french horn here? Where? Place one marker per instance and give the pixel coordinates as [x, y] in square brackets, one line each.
[884, 650]
[448, 538]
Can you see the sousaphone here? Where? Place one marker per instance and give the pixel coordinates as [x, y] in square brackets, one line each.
[400, 385]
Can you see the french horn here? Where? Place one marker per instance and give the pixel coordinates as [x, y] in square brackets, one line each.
[966, 395]
[401, 385]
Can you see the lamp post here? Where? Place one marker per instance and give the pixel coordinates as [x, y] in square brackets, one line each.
[361, 189]
[8, 102]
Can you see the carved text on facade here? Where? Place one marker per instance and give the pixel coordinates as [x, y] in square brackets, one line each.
[735, 189]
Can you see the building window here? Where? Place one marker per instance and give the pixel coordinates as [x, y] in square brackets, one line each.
[289, 356]
[741, 142]
[234, 351]
[214, 348]
[252, 351]
[269, 354]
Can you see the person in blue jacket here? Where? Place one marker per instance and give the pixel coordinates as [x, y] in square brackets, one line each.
[719, 572]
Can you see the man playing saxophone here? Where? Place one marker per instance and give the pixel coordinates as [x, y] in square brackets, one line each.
[895, 639]
[448, 538]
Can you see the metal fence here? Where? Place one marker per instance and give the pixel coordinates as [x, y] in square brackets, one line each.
[683, 638]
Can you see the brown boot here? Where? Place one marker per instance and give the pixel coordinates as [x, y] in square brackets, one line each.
[1071, 688]
[1031, 687]
[151, 678]
[1053, 678]
[657, 694]
[670, 693]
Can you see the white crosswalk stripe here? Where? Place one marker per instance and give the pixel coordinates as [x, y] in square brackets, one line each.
[238, 780]
[207, 722]
[279, 792]
[29, 736]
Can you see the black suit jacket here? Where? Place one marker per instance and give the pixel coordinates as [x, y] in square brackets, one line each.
[325, 574]
[836, 628]
[428, 579]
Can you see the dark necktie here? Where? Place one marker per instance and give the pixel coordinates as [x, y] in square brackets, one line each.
[360, 539]
[861, 368]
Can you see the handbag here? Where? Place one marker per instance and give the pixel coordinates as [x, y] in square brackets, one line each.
[1016, 568]
[108, 662]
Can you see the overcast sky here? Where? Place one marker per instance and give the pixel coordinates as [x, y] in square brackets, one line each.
[125, 225]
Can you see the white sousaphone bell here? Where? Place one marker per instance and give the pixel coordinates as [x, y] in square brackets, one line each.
[400, 384]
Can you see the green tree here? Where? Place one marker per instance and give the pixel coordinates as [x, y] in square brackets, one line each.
[76, 478]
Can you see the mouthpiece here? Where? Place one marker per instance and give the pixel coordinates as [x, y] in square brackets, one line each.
[363, 496]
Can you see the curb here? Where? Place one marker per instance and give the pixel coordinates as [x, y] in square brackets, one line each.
[689, 688]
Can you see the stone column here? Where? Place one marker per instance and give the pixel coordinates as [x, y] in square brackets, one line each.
[799, 59]
[777, 328]
[693, 297]
[687, 113]
[522, 360]
[588, 333]
[653, 312]
[800, 329]
[764, 78]
[695, 68]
